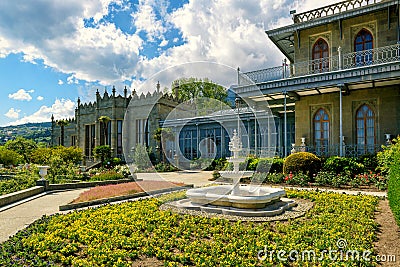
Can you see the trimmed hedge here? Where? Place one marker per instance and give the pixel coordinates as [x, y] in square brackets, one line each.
[389, 160]
[304, 162]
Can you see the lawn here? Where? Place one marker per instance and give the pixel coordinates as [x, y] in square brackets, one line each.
[134, 232]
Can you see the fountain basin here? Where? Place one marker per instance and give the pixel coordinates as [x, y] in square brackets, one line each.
[236, 175]
[246, 197]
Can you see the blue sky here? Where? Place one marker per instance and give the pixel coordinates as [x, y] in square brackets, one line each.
[52, 52]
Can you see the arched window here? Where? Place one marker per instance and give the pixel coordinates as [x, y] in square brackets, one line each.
[363, 44]
[321, 130]
[365, 129]
[320, 56]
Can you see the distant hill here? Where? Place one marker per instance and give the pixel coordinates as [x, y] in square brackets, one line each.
[39, 132]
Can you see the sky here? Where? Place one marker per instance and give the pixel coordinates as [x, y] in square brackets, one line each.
[52, 52]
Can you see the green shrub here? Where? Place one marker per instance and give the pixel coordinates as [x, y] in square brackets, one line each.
[141, 157]
[109, 175]
[343, 165]
[165, 167]
[302, 162]
[10, 157]
[219, 164]
[332, 179]
[389, 160]
[67, 155]
[370, 161]
[271, 165]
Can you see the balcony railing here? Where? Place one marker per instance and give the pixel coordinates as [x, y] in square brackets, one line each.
[376, 56]
[332, 9]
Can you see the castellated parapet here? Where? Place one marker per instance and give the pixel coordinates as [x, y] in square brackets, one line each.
[86, 131]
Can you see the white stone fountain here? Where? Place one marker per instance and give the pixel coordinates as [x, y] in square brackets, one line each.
[235, 199]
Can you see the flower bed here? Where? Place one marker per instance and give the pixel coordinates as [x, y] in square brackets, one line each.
[107, 191]
[118, 235]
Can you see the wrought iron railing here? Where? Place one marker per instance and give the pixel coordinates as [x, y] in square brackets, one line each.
[376, 56]
[332, 9]
[334, 150]
[321, 151]
[314, 66]
[269, 74]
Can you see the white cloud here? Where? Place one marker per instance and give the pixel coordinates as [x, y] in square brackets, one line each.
[163, 43]
[57, 36]
[60, 82]
[12, 113]
[225, 31]
[40, 98]
[21, 95]
[145, 19]
[72, 79]
[61, 109]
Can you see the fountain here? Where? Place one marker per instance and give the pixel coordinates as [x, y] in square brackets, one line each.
[235, 199]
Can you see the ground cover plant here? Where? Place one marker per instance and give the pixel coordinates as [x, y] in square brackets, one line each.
[107, 191]
[119, 235]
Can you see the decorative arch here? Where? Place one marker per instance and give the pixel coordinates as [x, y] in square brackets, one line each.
[365, 128]
[320, 56]
[363, 45]
[321, 128]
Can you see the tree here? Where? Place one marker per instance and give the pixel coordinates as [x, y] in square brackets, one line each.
[141, 158]
[190, 88]
[22, 146]
[102, 152]
[62, 124]
[161, 135]
[9, 157]
[104, 120]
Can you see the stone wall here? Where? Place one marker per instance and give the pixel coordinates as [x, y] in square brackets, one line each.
[384, 101]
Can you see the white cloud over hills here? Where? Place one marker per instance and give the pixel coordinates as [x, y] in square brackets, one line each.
[62, 108]
[21, 95]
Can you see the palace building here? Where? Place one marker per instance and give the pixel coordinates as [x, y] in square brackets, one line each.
[337, 92]
[86, 131]
[340, 83]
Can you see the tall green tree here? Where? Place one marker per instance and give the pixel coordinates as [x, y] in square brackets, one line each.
[103, 153]
[190, 88]
[22, 146]
[62, 124]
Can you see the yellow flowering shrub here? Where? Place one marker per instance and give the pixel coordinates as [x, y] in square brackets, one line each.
[117, 235]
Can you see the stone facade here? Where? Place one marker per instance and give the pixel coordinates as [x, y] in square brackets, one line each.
[383, 101]
[86, 131]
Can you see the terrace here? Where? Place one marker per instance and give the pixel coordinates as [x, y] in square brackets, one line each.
[350, 61]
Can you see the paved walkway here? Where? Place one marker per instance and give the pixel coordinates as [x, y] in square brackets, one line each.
[18, 217]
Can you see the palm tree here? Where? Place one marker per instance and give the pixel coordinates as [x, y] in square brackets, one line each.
[62, 124]
[104, 120]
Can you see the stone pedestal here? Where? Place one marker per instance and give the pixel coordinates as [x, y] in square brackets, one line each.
[44, 183]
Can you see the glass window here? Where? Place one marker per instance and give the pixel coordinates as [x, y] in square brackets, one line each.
[363, 44]
[321, 130]
[320, 56]
[365, 124]
[119, 137]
